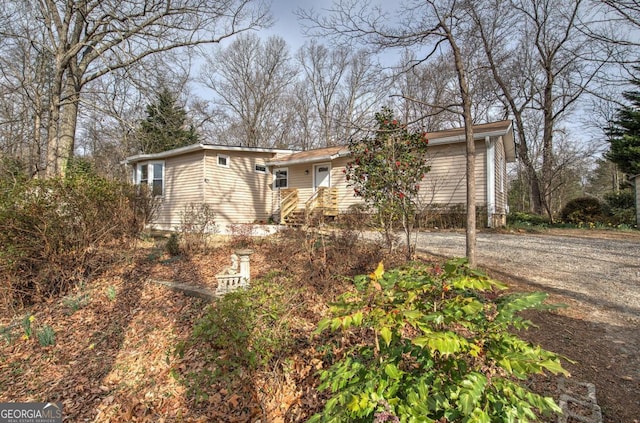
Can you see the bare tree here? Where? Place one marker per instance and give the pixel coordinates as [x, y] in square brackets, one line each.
[88, 39]
[543, 61]
[251, 78]
[427, 26]
[324, 69]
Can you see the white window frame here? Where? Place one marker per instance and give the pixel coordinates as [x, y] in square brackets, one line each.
[226, 158]
[151, 175]
[275, 177]
[265, 171]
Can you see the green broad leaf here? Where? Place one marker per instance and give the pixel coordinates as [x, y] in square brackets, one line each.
[515, 303]
[346, 322]
[479, 416]
[336, 323]
[444, 342]
[386, 335]
[323, 325]
[554, 366]
[470, 392]
[361, 282]
[472, 307]
[392, 371]
[357, 318]
[412, 315]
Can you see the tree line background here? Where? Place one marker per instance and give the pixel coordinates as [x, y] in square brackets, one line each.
[97, 81]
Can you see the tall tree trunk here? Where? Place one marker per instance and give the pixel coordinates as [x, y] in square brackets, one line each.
[547, 145]
[533, 182]
[62, 128]
[471, 149]
[53, 126]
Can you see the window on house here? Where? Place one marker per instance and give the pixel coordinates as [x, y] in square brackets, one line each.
[157, 182]
[223, 160]
[152, 174]
[260, 168]
[281, 178]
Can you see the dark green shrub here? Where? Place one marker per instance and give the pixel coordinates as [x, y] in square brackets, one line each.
[624, 199]
[427, 345]
[51, 232]
[583, 210]
[173, 245]
[621, 208]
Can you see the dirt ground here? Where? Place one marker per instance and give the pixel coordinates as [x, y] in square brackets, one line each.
[596, 274]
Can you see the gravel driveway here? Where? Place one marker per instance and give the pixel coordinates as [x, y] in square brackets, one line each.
[601, 275]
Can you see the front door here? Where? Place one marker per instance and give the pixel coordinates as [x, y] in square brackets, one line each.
[321, 175]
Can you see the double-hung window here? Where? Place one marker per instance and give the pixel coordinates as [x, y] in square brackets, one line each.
[281, 178]
[152, 175]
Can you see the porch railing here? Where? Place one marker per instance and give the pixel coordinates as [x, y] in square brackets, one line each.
[325, 200]
[288, 203]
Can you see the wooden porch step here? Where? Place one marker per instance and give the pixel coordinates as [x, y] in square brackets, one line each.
[296, 218]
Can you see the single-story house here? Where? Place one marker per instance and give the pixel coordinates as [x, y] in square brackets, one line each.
[259, 185]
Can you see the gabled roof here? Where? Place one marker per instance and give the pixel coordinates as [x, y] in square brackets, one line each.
[317, 155]
[503, 128]
[201, 147]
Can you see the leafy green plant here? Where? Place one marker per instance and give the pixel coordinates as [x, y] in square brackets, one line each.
[27, 321]
[46, 336]
[75, 303]
[240, 333]
[432, 345]
[111, 293]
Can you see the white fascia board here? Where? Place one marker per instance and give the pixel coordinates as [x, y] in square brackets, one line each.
[197, 147]
[478, 136]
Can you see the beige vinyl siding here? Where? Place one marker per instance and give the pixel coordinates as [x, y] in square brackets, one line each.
[182, 185]
[237, 193]
[446, 182]
[346, 197]
[501, 178]
[301, 181]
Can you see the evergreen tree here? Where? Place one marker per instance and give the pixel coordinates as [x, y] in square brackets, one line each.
[624, 133]
[165, 127]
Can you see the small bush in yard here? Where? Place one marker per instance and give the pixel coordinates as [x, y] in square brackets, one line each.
[51, 231]
[197, 221]
[240, 333]
[583, 210]
[431, 345]
[173, 245]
